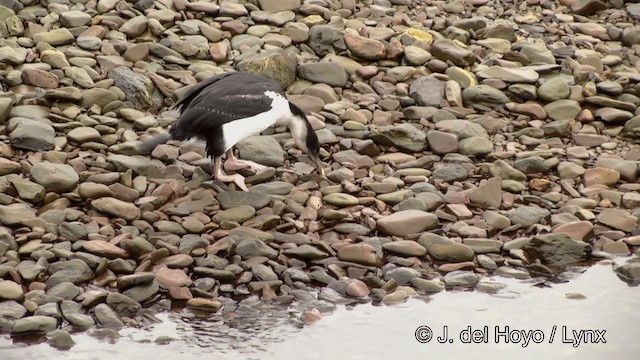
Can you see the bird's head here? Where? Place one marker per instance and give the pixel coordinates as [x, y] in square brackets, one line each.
[304, 137]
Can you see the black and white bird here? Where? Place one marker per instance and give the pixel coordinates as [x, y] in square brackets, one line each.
[230, 107]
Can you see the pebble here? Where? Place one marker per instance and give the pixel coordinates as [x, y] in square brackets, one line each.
[407, 222]
[9, 290]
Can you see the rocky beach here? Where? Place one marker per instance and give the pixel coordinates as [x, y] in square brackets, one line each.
[462, 140]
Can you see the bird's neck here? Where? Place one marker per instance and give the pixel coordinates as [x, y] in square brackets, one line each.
[299, 127]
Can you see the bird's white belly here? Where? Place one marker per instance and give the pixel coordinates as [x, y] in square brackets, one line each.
[235, 131]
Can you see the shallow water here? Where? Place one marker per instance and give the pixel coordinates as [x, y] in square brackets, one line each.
[377, 332]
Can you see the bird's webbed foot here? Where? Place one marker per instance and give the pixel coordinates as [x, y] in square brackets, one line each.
[234, 164]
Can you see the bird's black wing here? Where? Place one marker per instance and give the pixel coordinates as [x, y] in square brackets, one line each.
[222, 99]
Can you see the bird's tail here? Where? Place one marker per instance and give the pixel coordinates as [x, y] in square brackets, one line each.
[147, 146]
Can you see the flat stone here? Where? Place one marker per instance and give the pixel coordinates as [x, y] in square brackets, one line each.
[488, 194]
[402, 276]
[447, 50]
[233, 199]
[518, 75]
[554, 89]
[558, 249]
[404, 136]
[357, 289]
[115, 207]
[12, 310]
[107, 317]
[253, 247]
[405, 248]
[341, 200]
[618, 219]
[14, 214]
[36, 324]
[447, 250]
[264, 150]
[330, 73]
[563, 109]
[360, 253]
[33, 136]
[365, 48]
[9, 290]
[461, 278]
[577, 230]
[601, 176]
[407, 222]
[528, 215]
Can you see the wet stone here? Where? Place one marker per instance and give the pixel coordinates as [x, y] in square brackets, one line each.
[461, 278]
[558, 249]
[36, 324]
[107, 317]
[402, 276]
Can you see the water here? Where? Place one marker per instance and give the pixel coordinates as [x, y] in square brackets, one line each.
[605, 303]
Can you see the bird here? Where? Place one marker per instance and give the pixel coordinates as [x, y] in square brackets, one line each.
[224, 109]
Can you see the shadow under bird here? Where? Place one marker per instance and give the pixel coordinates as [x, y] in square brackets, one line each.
[227, 108]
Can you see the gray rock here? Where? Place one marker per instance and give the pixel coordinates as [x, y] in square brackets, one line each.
[563, 109]
[6, 103]
[34, 325]
[483, 95]
[558, 249]
[138, 89]
[528, 215]
[531, 165]
[33, 135]
[275, 64]
[264, 150]
[462, 128]
[140, 165]
[233, 199]
[447, 50]
[629, 272]
[253, 247]
[428, 91]
[306, 252]
[123, 304]
[631, 36]
[107, 317]
[404, 136]
[475, 146]
[73, 231]
[325, 39]
[65, 290]
[554, 89]
[538, 53]
[55, 177]
[13, 214]
[264, 273]
[461, 278]
[10, 309]
[407, 222]
[402, 276]
[330, 73]
[446, 249]
[280, 5]
[452, 172]
[60, 339]
[142, 292]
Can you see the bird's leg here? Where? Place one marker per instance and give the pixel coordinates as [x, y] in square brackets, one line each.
[233, 163]
[219, 175]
